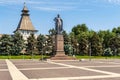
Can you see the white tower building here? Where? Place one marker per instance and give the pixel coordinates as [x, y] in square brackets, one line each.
[25, 26]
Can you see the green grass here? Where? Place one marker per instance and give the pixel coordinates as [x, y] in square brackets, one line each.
[97, 57]
[23, 57]
[40, 57]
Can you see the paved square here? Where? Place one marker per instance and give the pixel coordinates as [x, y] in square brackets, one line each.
[59, 70]
[4, 72]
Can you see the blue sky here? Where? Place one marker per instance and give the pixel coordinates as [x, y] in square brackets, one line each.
[96, 14]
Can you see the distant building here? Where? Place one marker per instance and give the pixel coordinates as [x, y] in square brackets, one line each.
[25, 26]
[5, 34]
[0, 35]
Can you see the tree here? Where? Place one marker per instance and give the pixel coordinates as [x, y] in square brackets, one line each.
[116, 30]
[18, 43]
[50, 47]
[96, 46]
[50, 44]
[31, 45]
[107, 52]
[101, 34]
[79, 28]
[67, 43]
[52, 31]
[114, 44]
[41, 41]
[74, 42]
[66, 38]
[6, 44]
[83, 44]
[78, 39]
[68, 49]
[107, 36]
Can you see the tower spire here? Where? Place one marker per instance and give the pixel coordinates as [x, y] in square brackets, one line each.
[25, 10]
[25, 26]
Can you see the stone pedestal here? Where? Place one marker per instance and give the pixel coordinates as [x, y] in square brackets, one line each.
[59, 45]
[59, 49]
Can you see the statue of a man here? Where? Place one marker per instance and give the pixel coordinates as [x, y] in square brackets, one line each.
[58, 24]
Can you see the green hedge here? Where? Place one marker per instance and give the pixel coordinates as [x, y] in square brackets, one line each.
[23, 57]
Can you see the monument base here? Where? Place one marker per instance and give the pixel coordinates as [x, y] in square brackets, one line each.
[64, 57]
[59, 49]
[60, 55]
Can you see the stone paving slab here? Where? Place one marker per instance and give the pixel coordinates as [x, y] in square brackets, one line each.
[25, 61]
[106, 79]
[3, 67]
[28, 63]
[110, 69]
[37, 66]
[53, 73]
[86, 63]
[2, 62]
[21, 64]
[5, 75]
[14, 72]
[62, 70]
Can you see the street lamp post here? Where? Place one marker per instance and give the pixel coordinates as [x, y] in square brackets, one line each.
[42, 52]
[74, 52]
[115, 53]
[90, 51]
[23, 56]
[77, 48]
[42, 56]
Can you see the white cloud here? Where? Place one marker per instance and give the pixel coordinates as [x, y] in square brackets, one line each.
[48, 5]
[55, 8]
[47, 8]
[52, 5]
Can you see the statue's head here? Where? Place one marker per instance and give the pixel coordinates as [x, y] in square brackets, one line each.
[58, 15]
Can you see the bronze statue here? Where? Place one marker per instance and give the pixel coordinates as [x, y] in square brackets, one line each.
[58, 24]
